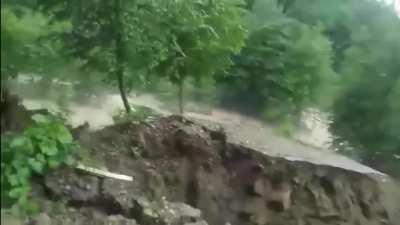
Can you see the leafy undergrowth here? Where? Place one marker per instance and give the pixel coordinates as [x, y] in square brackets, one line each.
[138, 113]
[45, 145]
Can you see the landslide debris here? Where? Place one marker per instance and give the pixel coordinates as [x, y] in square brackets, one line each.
[185, 173]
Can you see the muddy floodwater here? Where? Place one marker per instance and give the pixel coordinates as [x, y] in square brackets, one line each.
[310, 143]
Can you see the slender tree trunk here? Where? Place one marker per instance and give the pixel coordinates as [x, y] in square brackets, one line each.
[120, 56]
[180, 95]
[122, 90]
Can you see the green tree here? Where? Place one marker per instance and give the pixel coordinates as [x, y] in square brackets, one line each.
[201, 36]
[365, 37]
[28, 43]
[129, 40]
[29, 46]
[116, 38]
[282, 66]
[364, 114]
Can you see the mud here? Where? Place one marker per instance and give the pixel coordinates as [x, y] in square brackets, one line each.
[188, 173]
[192, 169]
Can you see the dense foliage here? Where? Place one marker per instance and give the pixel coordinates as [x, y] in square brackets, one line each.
[365, 37]
[138, 38]
[138, 114]
[282, 65]
[45, 145]
[201, 37]
[366, 113]
[28, 43]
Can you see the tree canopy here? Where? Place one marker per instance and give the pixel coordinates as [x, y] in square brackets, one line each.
[28, 43]
[282, 66]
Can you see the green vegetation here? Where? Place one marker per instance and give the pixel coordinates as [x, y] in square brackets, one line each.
[365, 36]
[45, 145]
[366, 112]
[138, 113]
[175, 39]
[28, 43]
[200, 38]
[273, 58]
[282, 66]
[339, 56]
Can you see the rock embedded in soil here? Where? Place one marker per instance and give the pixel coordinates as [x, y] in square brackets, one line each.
[79, 187]
[184, 163]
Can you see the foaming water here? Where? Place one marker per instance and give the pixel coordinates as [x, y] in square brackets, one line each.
[97, 112]
[98, 109]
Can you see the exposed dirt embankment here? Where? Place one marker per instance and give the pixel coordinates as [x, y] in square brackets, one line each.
[185, 173]
[176, 163]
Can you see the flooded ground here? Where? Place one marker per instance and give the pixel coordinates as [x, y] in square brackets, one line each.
[309, 144]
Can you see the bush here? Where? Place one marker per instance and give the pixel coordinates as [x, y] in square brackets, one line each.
[45, 145]
[138, 114]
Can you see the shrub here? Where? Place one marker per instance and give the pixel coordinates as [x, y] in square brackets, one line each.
[139, 113]
[45, 145]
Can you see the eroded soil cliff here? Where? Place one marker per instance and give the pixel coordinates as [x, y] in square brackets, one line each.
[179, 167]
[187, 173]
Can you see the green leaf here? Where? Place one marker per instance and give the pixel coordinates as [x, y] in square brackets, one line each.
[48, 148]
[38, 133]
[36, 165]
[17, 163]
[23, 173]
[18, 141]
[23, 196]
[53, 163]
[17, 192]
[12, 179]
[41, 158]
[64, 136]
